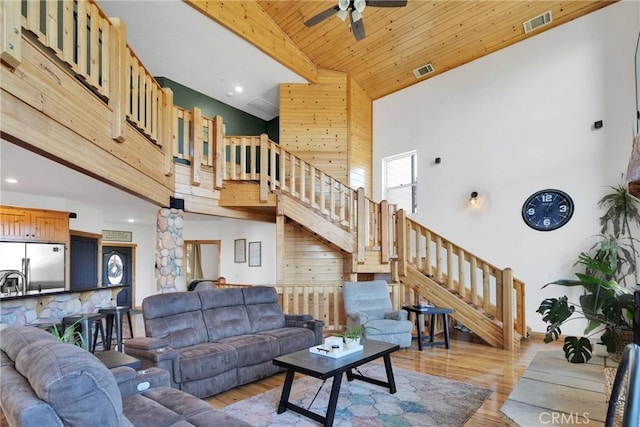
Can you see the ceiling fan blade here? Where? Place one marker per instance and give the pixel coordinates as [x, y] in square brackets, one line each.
[321, 16]
[386, 3]
[357, 27]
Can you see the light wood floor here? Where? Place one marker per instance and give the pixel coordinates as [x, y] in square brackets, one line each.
[469, 360]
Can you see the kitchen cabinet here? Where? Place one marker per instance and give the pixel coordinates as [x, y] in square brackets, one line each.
[37, 225]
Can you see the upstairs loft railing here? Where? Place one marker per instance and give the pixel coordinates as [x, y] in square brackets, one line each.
[94, 49]
[196, 141]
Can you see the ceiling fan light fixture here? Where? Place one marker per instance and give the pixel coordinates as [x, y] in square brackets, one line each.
[342, 15]
[359, 5]
[356, 16]
[343, 4]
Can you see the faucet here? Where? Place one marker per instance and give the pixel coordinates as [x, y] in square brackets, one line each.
[21, 287]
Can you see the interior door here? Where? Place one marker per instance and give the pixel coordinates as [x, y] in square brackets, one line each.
[117, 269]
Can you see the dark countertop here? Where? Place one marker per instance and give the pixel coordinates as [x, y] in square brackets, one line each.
[52, 292]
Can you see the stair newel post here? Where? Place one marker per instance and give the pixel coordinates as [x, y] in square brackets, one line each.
[362, 224]
[264, 166]
[401, 249]
[196, 157]
[218, 149]
[167, 131]
[507, 309]
[384, 231]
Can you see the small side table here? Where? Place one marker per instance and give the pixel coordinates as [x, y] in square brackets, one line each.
[432, 311]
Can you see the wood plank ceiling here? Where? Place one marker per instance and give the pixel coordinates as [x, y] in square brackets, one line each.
[445, 33]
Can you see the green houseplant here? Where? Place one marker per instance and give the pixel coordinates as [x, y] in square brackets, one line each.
[606, 303]
[71, 335]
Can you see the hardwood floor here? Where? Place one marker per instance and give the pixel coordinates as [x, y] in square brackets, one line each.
[469, 360]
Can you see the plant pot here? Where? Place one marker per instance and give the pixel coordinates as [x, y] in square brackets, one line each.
[625, 336]
[350, 343]
[600, 349]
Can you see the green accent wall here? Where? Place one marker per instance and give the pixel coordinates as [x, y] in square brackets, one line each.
[273, 129]
[236, 122]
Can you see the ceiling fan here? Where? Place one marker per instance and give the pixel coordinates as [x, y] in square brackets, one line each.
[353, 8]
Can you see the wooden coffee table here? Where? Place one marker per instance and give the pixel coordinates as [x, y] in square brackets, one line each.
[324, 367]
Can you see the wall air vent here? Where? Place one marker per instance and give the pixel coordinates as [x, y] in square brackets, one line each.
[537, 22]
[264, 106]
[424, 70]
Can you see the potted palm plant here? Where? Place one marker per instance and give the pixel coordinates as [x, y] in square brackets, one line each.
[607, 302]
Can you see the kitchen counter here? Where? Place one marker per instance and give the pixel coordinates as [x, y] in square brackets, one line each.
[53, 291]
[53, 306]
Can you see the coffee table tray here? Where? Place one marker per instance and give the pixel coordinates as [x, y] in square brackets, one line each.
[322, 351]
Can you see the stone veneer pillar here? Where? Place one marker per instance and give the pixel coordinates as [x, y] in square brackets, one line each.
[169, 251]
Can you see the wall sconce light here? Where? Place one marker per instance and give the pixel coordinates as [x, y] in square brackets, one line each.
[473, 200]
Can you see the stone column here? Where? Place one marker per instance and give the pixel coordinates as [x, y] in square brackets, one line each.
[169, 251]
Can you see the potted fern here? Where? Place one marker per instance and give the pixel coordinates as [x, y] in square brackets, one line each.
[606, 303]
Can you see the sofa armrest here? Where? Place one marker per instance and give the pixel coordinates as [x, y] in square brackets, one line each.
[397, 315]
[306, 321]
[155, 352]
[131, 381]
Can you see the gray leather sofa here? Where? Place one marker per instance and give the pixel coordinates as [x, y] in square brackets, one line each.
[49, 383]
[213, 340]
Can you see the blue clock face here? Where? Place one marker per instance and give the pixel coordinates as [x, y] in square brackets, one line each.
[547, 210]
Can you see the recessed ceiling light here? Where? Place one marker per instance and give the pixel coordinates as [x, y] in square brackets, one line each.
[230, 94]
[131, 220]
[239, 89]
[11, 180]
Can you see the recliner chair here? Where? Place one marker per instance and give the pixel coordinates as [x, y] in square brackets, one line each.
[369, 304]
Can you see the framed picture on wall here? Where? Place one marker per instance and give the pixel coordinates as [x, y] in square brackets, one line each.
[239, 247]
[255, 254]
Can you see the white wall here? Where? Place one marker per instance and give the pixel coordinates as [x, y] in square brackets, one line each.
[227, 230]
[514, 122]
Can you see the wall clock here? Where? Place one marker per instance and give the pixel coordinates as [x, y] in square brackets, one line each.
[547, 210]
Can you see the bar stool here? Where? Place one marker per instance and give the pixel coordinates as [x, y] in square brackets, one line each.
[86, 322]
[115, 313]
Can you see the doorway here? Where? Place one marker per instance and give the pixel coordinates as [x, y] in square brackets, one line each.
[202, 260]
[118, 267]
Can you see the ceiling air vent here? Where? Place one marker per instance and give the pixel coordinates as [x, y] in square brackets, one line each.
[424, 70]
[264, 106]
[537, 22]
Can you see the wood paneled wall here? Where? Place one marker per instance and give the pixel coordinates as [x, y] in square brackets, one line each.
[313, 122]
[329, 125]
[360, 121]
[309, 260]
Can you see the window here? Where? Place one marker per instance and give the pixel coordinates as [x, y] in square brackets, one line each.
[400, 181]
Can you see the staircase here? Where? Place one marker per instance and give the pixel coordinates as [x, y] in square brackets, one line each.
[254, 173]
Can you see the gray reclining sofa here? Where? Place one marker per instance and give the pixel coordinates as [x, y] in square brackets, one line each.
[49, 383]
[214, 340]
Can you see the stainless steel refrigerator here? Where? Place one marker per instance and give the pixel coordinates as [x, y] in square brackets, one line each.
[42, 264]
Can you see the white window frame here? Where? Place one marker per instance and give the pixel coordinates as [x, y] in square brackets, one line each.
[414, 176]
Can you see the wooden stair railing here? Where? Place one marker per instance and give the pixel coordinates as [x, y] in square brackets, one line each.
[491, 291]
[481, 293]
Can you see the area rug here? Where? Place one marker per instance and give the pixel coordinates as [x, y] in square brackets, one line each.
[420, 400]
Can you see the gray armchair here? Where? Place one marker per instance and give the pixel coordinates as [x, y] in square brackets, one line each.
[369, 304]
